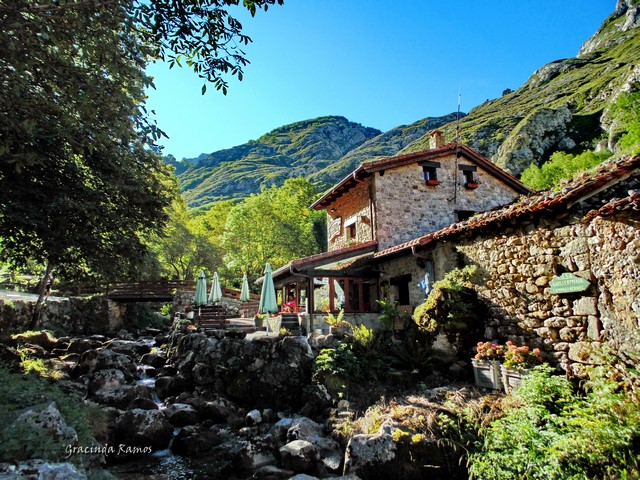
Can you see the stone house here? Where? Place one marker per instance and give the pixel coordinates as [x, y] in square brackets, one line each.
[559, 270]
[382, 204]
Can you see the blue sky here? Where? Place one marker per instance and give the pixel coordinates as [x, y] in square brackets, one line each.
[381, 63]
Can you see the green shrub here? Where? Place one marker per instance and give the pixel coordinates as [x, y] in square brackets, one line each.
[363, 337]
[558, 433]
[340, 360]
[561, 166]
[452, 305]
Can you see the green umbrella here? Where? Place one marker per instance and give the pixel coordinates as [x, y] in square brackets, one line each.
[244, 293]
[216, 292]
[268, 302]
[201, 290]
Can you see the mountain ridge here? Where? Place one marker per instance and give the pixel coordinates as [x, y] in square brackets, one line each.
[565, 105]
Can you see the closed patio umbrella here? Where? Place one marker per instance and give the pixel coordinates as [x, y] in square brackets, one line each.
[268, 302]
[216, 292]
[201, 290]
[244, 293]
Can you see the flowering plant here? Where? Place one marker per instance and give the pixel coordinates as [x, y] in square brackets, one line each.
[522, 357]
[489, 351]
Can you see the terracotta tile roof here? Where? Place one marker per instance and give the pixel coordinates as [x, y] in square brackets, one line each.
[335, 255]
[366, 169]
[579, 189]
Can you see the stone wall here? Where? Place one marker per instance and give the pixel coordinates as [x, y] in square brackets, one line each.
[352, 205]
[407, 208]
[94, 315]
[518, 263]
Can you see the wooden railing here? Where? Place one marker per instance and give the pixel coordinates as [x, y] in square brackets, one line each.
[158, 290]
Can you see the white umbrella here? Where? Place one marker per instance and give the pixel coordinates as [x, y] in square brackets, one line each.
[216, 292]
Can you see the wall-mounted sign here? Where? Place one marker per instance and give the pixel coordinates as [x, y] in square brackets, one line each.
[568, 283]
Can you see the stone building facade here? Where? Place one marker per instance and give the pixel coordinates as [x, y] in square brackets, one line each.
[399, 198]
[590, 230]
[406, 206]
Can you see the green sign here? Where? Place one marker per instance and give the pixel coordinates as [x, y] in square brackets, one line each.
[568, 283]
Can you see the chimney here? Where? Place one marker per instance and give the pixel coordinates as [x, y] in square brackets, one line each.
[436, 140]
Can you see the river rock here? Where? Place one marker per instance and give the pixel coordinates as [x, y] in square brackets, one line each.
[81, 345]
[254, 417]
[196, 441]
[125, 397]
[303, 428]
[181, 414]
[101, 359]
[365, 453]
[271, 472]
[143, 428]
[106, 380]
[153, 359]
[128, 347]
[39, 434]
[41, 470]
[171, 386]
[299, 455]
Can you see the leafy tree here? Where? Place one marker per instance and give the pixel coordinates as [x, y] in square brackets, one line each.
[274, 226]
[80, 181]
[183, 249]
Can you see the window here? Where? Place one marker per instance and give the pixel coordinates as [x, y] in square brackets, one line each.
[430, 172]
[351, 232]
[470, 178]
[347, 294]
[350, 228]
[400, 289]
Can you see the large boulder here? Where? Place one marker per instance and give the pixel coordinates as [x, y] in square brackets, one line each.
[181, 414]
[126, 397]
[106, 380]
[153, 359]
[81, 345]
[197, 441]
[299, 456]
[143, 431]
[367, 454]
[128, 347]
[102, 359]
[303, 428]
[39, 433]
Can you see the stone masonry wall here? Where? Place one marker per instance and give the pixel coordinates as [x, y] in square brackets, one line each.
[518, 264]
[355, 203]
[407, 208]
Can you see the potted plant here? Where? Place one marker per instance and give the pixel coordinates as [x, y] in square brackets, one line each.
[486, 365]
[336, 324]
[258, 320]
[518, 360]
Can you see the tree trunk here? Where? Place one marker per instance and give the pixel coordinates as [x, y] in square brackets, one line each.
[37, 311]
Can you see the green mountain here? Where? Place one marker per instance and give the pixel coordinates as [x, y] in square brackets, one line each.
[299, 149]
[566, 105]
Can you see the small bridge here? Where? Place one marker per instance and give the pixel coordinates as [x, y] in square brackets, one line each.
[159, 291]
